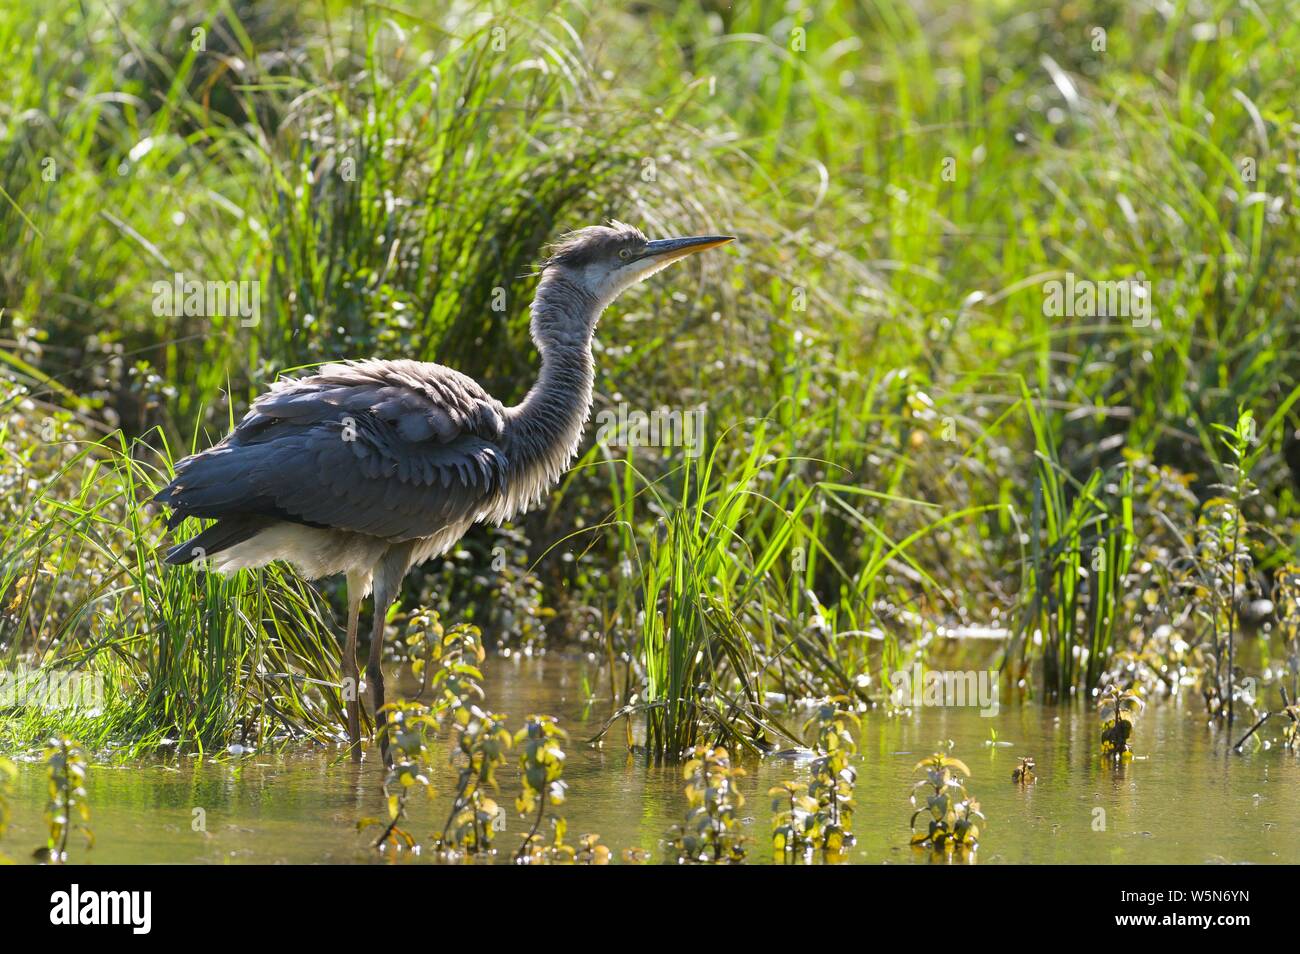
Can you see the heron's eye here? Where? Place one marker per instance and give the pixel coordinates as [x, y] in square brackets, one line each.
[625, 253]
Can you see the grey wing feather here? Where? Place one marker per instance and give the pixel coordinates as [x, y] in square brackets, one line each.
[396, 449]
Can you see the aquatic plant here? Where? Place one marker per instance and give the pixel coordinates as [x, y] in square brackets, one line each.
[954, 817]
[421, 646]
[1286, 599]
[482, 742]
[819, 814]
[711, 832]
[833, 778]
[408, 729]
[68, 808]
[541, 780]
[1118, 708]
[1024, 771]
[793, 818]
[1225, 558]
[448, 661]
[1199, 583]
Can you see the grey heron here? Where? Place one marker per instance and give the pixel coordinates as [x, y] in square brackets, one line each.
[369, 467]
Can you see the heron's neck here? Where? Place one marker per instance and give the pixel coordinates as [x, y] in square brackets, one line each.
[544, 430]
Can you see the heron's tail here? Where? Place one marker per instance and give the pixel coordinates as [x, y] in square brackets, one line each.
[225, 533]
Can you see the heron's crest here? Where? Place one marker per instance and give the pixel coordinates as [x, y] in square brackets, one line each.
[583, 246]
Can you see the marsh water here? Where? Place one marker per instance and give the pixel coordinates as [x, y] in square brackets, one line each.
[1182, 800]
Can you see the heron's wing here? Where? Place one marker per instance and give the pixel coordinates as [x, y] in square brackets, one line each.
[396, 449]
[423, 401]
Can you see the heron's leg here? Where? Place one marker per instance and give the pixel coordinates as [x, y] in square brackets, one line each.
[375, 676]
[388, 580]
[351, 678]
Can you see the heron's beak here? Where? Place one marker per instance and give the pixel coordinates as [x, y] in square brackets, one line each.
[670, 250]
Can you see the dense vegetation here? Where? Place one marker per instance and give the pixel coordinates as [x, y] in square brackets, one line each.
[907, 437]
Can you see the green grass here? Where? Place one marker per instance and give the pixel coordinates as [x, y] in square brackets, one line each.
[902, 439]
[195, 658]
[1081, 549]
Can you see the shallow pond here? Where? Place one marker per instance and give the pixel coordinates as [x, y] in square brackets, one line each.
[1181, 801]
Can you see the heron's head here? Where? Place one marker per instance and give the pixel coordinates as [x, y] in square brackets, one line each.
[606, 260]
